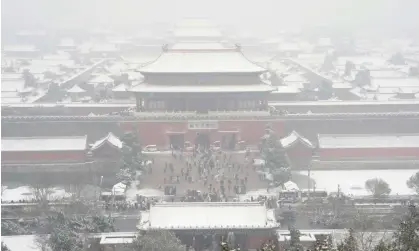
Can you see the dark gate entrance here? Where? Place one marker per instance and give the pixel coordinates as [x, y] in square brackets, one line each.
[177, 140]
[202, 140]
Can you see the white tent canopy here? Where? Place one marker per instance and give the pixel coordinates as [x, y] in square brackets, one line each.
[119, 189]
[291, 186]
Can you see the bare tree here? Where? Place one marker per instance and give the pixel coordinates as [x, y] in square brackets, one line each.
[368, 240]
[42, 192]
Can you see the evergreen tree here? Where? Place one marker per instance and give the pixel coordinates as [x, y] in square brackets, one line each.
[295, 244]
[406, 237]
[413, 182]
[131, 152]
[4, 247]
[377, 187]
[275, 157]
[12, 228]
[324, 244]
[65, 233]
[157, 241]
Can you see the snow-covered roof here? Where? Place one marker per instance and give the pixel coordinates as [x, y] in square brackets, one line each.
[76, 89]
[19, 48]
[12, 85]
[101, 79]
[195, 23]
[202, 62]
[289, 47]
[11, 76]
[134, 75]
[369, 141]
[192, 32]
[117, 67]
[109, 139]
[111, 240]
[21, 144]
[287, 89]
[199, 46]
[67, 42]
[295, 78]
[53, 60]
[103, 48]
[293, 138]
[121, 88]
[27, 89]
[201, 215]
[147, 88]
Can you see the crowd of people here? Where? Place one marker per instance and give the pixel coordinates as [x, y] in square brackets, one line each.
[218, 171]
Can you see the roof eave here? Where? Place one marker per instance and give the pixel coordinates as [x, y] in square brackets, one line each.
[210, 72]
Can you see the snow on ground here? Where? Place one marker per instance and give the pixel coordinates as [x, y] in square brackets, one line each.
[353, 182]
[132, 191]
[21, 243]
[26, 193]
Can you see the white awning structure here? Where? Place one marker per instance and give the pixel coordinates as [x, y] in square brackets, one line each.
[119, 189]
[291, 186]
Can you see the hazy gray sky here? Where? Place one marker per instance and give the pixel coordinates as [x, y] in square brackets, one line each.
[275, 13]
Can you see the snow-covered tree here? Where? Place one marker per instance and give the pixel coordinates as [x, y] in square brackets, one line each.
[397, 59]
[131, 151]
[157, 241]
[413, 182]
[349, 243]
[295, 244]
[66, 233]
[382, 246]
[275, 157]
[125, 176]
[12, 228]
[4, 247]
[377, 187]
[406, 236]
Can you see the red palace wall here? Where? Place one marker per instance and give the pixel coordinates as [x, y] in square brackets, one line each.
[157, 132]
[367, 153]
[255, 241]
[50, 156]
[299, 155]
